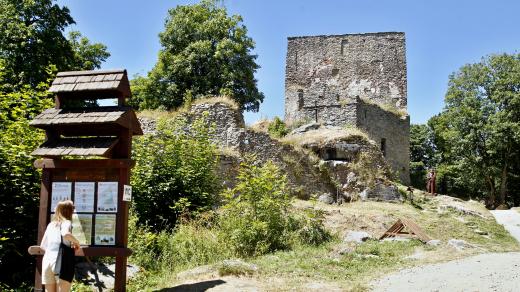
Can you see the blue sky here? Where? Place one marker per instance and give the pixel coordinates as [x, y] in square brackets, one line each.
[441, 36]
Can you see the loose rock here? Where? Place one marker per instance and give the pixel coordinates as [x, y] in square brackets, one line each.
[459, 244]
[434, 242]
[356, 236]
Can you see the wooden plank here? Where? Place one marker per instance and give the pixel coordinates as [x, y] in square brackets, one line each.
[93, 251]
[82, 163]
[414, 231]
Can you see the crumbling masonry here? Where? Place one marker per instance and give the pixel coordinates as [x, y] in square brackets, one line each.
[353, 79]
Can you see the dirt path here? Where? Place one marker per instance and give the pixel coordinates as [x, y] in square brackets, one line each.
[511, 221]
[485, 272]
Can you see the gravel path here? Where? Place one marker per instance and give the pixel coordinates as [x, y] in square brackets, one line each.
[511, 221]
[486, 272]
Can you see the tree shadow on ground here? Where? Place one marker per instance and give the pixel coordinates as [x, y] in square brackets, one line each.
[194, 287]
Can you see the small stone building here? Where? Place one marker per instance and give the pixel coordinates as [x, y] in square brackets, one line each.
[352, 79]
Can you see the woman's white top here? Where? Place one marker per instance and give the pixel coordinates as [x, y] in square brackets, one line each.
[52, 239]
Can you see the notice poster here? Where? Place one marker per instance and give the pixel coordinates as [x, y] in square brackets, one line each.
[82, 228]
[107, 197]
[84, 196]
[105, 232]
[61, 191]
[127, 193]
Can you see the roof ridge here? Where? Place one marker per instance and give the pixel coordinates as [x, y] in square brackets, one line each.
[90, 72]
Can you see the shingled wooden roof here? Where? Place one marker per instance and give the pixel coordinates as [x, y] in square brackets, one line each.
[96, 80]
[96, 146]
[122, 116]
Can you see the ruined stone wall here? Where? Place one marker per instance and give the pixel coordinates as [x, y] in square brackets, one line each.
[304, 177]
[330, 71]
[390, 131]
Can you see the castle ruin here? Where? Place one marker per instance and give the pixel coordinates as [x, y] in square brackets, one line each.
[352, 79]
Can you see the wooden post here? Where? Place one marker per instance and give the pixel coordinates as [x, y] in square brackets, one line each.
[42, 223]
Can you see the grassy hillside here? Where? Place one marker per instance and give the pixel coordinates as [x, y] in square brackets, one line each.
[339, 265]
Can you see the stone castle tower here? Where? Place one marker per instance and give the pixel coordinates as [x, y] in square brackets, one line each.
[352, 79]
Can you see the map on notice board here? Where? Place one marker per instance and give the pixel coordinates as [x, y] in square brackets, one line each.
[105, 233]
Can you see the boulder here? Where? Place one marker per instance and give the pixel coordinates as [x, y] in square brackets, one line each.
[459, 244]
[434, 242]
[236, 267]
[305, 128]
[326, 198]
[381, 192]
[356, 236]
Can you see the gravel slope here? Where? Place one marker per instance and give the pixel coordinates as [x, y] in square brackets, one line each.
[511, 221]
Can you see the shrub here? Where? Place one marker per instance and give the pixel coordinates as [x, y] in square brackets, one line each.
[174, 173]
[19, 183]
[277, 128]
[311, 230]
[255, 218]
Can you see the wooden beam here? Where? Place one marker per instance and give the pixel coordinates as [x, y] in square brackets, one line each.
[84, 163]
[95, 251]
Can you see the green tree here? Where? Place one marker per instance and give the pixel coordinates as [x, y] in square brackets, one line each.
[479, 129]
[87, 56]
[19, 182]
[204, 52]
[174, 173]
[31, 40]
[423, 154]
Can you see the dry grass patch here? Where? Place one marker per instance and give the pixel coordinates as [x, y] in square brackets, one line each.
[158, 114]
[387, 107]
[217, 99]
[323, 136]
[261, 125]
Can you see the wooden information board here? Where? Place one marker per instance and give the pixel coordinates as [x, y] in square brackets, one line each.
[96, 186]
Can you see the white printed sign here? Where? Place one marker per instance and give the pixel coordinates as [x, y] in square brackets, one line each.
[84, 196]
[107, 197]
[127, 194]
[61, 191]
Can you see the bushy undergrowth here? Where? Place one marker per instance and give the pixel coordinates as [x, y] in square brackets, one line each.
[174, 173]
[256, 219]
[19, 183]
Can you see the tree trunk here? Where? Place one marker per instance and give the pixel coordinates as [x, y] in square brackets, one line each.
[491, 198]
[503, 186]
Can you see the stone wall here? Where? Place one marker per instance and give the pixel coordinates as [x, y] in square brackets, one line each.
[391, 132]
[330, 71]
[304, 175]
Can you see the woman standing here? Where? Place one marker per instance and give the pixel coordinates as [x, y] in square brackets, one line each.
[58, 231]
